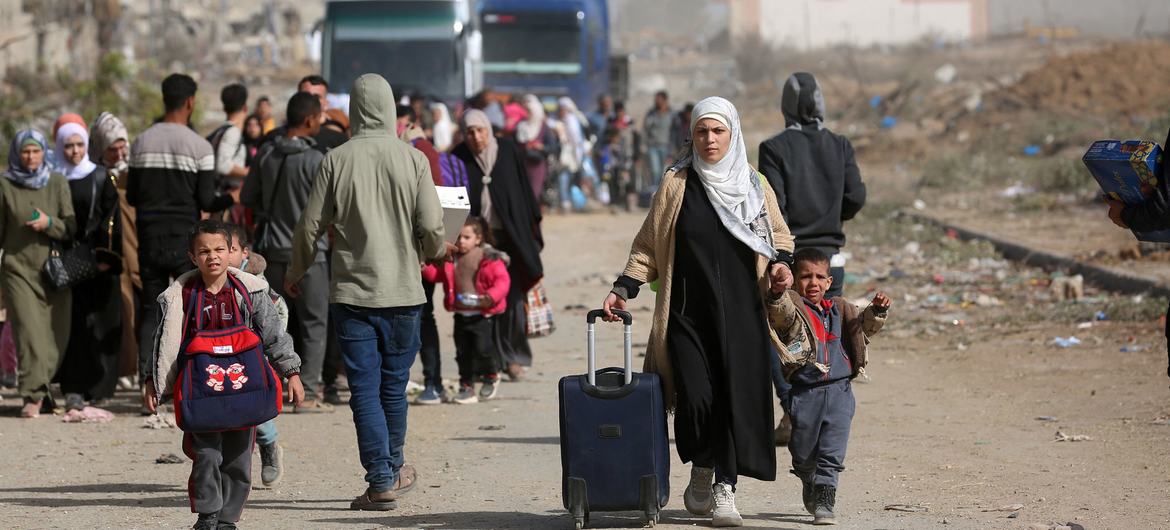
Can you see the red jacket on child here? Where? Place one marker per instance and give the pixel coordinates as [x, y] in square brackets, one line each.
[491, 279]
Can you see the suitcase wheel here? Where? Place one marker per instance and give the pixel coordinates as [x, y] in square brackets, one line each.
[579, 523]
[651, 519]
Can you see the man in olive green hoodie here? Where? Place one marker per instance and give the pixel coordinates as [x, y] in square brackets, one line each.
[376, 194]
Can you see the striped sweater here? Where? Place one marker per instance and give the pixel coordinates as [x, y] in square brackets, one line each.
[172, 177]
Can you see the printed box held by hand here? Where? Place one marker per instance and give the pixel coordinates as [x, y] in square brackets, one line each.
[1127, 171]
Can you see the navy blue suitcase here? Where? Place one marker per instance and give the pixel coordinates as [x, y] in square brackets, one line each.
[614, 446]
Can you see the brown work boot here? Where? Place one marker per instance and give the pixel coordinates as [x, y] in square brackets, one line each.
[387, 500]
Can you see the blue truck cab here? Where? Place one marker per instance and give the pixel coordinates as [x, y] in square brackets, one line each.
[550, 48]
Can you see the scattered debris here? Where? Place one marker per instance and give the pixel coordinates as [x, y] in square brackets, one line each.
[491, 427]
[1062, 437]
[1066, 342]
[1006, 508]
[1046, 418]
[907, 508]
[160, 421]
[88, 415]
[169, 458]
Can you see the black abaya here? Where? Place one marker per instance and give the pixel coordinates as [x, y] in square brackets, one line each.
[90, 365]
[719, 344]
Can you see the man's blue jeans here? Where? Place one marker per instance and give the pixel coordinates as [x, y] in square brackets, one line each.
[378, 345]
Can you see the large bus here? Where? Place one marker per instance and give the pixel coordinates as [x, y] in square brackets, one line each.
[432, 47]
[549, 48]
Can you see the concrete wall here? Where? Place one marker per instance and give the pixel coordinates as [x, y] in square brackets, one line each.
[1106, 18]
[807, 24]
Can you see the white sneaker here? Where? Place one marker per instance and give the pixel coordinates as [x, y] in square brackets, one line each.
[697, 497]
[725, 513]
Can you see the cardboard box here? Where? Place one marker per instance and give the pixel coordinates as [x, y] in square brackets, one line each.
[456, 207]
[1127, 171]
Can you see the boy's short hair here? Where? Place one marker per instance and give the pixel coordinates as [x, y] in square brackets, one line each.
[208, 226]
[314, 80]
[234, 98]
[237, 232]
[406, 111]
[301, 106]
[808, 255]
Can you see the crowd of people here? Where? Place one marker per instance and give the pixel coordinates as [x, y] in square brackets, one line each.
[118, 250]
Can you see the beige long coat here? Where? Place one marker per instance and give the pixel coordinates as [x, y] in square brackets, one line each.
[652, 258]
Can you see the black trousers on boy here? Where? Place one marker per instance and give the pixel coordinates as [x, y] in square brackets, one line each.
[475, 348]
[221, 471]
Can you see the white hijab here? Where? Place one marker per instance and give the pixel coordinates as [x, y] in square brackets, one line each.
[71, 171]
[732, 186]
[444, 129]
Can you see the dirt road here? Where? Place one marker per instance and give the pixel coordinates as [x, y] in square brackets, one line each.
[947, 425]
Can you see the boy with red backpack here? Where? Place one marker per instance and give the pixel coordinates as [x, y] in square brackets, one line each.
[220, 352]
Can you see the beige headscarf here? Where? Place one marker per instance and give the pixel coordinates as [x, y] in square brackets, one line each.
[106, 130]
[486, 160]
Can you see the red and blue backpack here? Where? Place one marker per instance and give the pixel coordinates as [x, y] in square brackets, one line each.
[225, 381]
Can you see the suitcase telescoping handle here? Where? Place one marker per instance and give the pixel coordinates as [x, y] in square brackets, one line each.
[628, 320]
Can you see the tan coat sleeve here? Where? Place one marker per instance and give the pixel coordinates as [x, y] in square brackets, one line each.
[784, 317]
[643, 265]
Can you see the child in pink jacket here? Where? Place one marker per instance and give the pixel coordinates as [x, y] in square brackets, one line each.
[476, 287]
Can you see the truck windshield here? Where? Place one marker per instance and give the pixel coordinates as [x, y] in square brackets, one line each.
[410, 66]
[412, 43]
[532, 43]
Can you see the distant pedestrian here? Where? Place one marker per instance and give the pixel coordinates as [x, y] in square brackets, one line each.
[501, 193]
[328, 138]
[89, 371]
[231, 154]
[376, 296]
[109, 146]
[600, 117]
[476, 288]
[35, 211]
[715, 241]
[172, 179]
[253, 135]
[539, 143]
[656, 128]
[443, 133]
[680, 132]
[264, 114]
[813, 173]
[278, 191]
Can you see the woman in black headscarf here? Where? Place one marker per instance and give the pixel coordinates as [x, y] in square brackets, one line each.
[500, 192]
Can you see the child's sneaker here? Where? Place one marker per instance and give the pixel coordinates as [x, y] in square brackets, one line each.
[466, 395]
[207, 521]
[430, 396]
[725, 512]
[826, 499]
[490, 386]
[271, 463]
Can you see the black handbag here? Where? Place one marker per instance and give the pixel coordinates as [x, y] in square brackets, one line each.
[76, 263]
[67, 267]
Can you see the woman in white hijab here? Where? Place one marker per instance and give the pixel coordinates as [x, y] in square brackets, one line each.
[537, 139]
[89, 371]
[715, 241]
[444, 129]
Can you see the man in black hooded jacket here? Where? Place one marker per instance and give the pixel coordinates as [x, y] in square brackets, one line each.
[814, 174]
